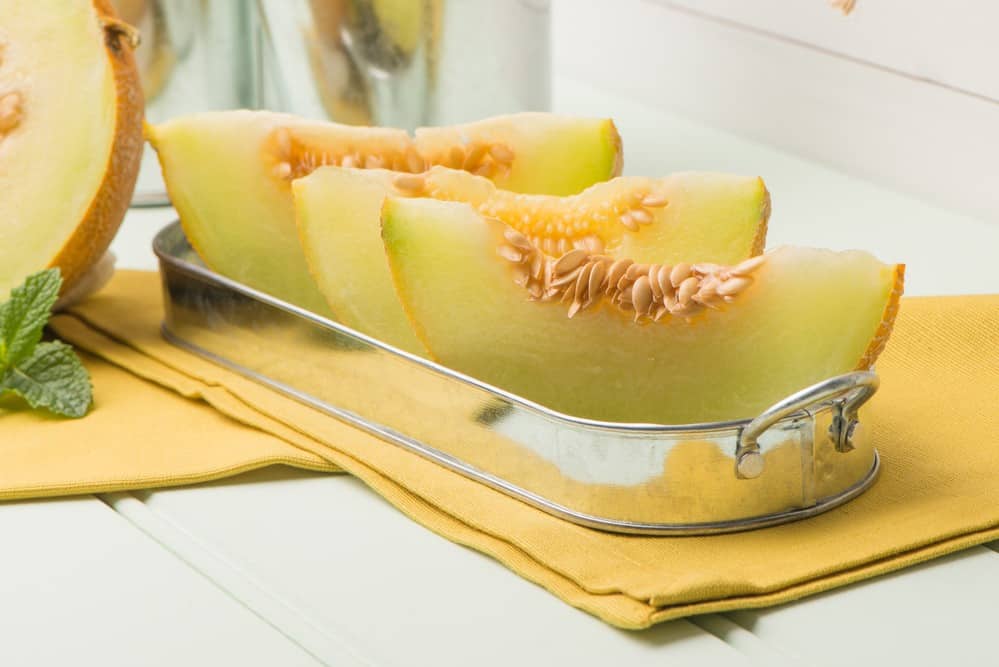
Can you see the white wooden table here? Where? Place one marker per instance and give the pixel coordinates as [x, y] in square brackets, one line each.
[281, 567]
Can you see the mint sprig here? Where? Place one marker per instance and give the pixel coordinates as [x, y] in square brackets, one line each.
[46, 375]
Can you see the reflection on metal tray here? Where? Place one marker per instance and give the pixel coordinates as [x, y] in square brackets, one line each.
[799, 458]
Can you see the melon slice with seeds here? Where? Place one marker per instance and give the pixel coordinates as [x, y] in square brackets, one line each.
[718, 217]
[229, 176]
[613, 340]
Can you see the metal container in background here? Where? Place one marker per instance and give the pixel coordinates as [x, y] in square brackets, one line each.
[194, 55]
[401, 63]
[404, 63]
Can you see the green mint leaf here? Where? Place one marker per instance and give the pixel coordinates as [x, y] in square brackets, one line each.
[52, 378]
[25, 314]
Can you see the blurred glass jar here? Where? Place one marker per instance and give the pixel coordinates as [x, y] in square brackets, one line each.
[402, 63]
[195, 55]
[405, 63]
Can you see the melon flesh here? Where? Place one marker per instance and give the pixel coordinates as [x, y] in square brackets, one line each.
[719, 217]
[554, 155]
[808, 315]
[70, 136]
[226, 176]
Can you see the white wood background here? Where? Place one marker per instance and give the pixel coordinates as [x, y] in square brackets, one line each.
[901, 92]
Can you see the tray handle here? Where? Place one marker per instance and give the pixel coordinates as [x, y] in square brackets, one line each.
[863, 384]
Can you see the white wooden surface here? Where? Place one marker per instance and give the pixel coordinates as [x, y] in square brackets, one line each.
[947, 43]
[910, 104]
[339, 572]
[80, 586]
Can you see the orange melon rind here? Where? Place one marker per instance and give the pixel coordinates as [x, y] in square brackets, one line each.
[887, 322]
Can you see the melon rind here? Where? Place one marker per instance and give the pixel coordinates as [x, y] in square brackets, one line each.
[810, 314]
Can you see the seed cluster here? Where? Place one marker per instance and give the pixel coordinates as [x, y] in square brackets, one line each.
[544, 218]
[650, 291]
[488, 160]
[296, 159]
[554, 224]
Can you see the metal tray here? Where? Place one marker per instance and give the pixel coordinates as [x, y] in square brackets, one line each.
[802, 456]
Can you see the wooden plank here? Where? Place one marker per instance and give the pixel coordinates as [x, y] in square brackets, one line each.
[939, 613]
[906, 134]
[321, 642]
[345, 559]
[79, 585]
[950, 43]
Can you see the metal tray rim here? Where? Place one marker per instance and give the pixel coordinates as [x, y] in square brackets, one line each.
[556, 509]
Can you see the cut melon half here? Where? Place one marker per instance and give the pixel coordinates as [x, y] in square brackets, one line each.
[612, 340]
[70, 135]
[229, 176]
[719, 217]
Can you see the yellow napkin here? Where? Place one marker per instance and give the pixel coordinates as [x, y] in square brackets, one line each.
[174, 418]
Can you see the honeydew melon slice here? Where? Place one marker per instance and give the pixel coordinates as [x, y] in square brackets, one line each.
[70, 135]
[725, 346]
[229, 176]
[718, 217]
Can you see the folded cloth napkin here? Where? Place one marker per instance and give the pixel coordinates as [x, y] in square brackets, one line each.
[164, 416]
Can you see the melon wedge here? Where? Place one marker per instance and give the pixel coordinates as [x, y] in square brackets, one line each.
[229, 176]
[70, 135]
[718, 217]
[725, 346]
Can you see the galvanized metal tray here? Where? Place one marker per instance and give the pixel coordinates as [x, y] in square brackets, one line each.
[802, 456]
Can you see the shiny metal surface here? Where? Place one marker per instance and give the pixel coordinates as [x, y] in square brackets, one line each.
[632, 478]
[194, 55]
[405, 63]
[855, 388]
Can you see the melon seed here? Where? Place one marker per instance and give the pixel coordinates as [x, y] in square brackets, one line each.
[474, 157]
[570, 261]
[11, 112]
[641, 296]
[410, 184]
[501, 153]
[679, 273]
[687, 289]
[734, 285]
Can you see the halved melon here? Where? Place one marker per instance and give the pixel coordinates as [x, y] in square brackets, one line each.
[70, 135]
[229, 174]
[613, 340]
[718, 217]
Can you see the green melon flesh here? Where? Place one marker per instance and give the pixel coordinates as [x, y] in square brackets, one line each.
[809, 315]
[719, 217]
[338, 212]
[219, 169]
